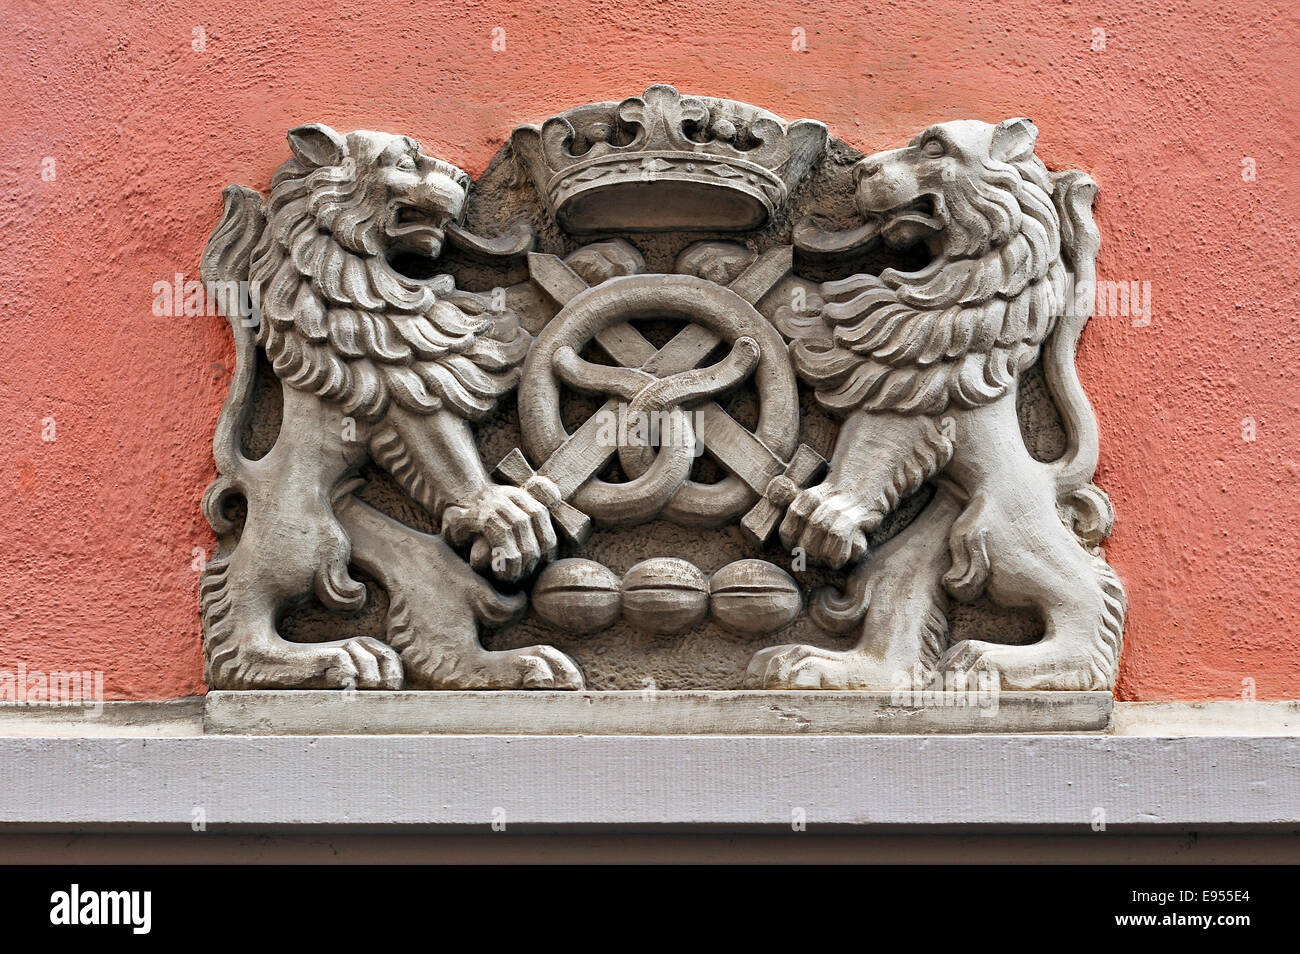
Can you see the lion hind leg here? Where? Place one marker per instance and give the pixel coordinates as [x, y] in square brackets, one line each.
[906, 619]
[243, 650]
[437, 605]
[895, 601]
[1027, 557]
[291, 543]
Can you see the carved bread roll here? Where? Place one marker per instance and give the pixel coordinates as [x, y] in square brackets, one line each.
[754, 596]
[578, 596]
[665, 595]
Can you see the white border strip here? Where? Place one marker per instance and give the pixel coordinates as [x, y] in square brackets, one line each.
[1024, 782]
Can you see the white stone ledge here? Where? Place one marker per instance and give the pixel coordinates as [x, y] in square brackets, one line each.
[449, 782]
[680, 712]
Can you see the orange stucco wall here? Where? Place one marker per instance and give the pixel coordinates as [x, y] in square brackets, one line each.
[98, 526]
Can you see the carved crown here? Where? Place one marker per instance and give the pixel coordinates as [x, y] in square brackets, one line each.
[663, 161]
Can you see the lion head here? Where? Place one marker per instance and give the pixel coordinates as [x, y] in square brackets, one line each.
[960, 185]
[339, 320]
[959, 330]
[375, 192]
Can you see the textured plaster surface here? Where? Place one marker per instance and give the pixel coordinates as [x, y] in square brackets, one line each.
[100, 525]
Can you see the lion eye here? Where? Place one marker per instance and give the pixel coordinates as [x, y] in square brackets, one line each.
[933, 147]
[406, 163]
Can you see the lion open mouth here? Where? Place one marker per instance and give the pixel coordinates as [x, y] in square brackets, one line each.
[411, 219]
[416, 237]
[924, 210]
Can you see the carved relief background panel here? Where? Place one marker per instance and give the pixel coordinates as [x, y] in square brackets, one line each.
[677, 394]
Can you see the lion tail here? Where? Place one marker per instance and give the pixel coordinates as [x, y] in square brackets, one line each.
[839, 612]
[1084, 506]
[225, 266]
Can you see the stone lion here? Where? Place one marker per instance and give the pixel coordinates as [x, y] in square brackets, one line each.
[924, 366]
[373, 365]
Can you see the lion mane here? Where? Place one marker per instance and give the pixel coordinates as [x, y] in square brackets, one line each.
[960, 330]
[339, 322]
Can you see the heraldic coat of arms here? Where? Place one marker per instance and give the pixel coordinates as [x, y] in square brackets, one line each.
[677, 394]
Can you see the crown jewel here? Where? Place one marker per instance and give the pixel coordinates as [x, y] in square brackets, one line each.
[663, 161]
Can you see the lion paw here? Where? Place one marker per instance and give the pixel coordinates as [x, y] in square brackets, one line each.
[360, 663]
[1037, 666]
[796, 666]
[533, 667]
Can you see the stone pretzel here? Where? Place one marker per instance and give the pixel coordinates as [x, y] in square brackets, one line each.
[714, 313]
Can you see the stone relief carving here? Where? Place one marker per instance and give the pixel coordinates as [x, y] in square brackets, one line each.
[680, 395]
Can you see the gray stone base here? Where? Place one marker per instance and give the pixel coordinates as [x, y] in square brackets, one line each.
[692, 712]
